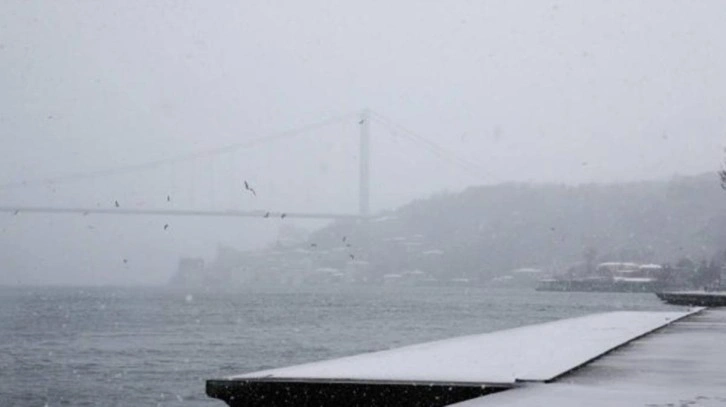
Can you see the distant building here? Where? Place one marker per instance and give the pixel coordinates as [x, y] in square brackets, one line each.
[190, 272]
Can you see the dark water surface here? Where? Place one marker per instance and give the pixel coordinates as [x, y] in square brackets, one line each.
[156, 347]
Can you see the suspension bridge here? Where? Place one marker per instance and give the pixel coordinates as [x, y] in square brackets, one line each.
[363, 120]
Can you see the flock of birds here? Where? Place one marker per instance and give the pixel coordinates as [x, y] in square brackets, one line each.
[168, 199]
[266, 215]
[344, 240]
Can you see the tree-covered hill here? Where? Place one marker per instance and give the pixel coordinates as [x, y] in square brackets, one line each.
[487, 230]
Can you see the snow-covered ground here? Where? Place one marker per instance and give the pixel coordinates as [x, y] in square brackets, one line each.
[682, 365]
[531, 353]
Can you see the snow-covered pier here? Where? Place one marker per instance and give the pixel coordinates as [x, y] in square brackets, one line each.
[684, 364]
[651, 358]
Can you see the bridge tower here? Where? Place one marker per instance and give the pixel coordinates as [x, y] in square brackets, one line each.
[364, 183]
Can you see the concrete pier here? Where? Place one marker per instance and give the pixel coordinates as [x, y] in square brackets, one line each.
[683, 364]
[619, 358]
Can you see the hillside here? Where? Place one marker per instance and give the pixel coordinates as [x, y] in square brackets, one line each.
[487, 231]
[484, 231]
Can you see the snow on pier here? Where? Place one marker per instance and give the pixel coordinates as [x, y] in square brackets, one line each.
[532, 353]
[555, 363]
[682, 365]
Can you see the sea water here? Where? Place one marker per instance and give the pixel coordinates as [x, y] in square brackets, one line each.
[63, 346]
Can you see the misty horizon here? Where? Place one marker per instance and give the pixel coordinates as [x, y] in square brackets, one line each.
[561, 92]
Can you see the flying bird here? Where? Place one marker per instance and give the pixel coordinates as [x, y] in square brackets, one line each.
[166, 226]
[116, 203]
[249, 188]
[345, 238]
[267, 215]
[313, 245]
[283, 216]
[126, 261]
[351, 257]
[362, 121]
[168, 198]
[16, 212]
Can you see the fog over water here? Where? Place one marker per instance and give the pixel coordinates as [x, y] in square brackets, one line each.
[562, 91]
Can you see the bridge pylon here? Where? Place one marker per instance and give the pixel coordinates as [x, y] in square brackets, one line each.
[364, 183]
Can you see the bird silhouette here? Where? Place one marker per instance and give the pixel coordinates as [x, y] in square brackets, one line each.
[168, 198]
[126, 261]
[351, 257]
[313, 245]
[362, 121]
[283, 216]
[267, 215]
[249, 188]
[16, 212]
[345, 238]
[116, 203]
[166, 226]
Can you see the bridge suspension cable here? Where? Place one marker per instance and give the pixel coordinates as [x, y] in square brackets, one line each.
[181, 158]
[442, 153]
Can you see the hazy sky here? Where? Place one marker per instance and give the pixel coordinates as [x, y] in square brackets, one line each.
[561, 91]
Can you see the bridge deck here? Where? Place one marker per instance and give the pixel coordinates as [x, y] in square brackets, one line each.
[176, 212]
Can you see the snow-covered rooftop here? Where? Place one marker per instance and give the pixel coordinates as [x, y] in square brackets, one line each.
[526, 270]
[618, 264]
[330, 270]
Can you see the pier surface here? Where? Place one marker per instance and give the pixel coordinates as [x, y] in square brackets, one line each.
[515, 364]
[531, 353]
[684, 364]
